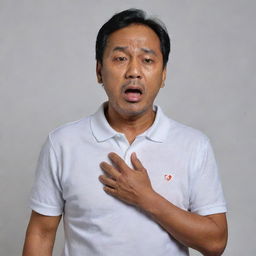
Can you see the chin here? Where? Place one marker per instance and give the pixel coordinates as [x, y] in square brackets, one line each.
[134, 109]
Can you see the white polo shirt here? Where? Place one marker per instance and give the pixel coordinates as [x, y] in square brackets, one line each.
[180, 164]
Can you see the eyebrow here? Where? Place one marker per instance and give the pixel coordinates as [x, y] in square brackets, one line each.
[120, 49]
[124, 48]
[146, 50]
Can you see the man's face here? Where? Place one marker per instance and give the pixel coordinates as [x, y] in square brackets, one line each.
[132, 70]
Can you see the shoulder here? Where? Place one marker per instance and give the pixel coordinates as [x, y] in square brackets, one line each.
[175, 131]
[187, 133]
[71, 131]
[186, 139]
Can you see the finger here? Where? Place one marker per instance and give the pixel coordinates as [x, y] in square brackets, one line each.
[110, 191]
[110, 170]
[118, 162]
[137, 163]
[107, 181]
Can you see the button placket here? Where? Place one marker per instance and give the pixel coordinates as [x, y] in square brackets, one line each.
[122, 143]
[131, 149]
[125, 148]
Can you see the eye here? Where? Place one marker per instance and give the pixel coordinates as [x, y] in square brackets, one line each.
[120, 58]
[148, 60]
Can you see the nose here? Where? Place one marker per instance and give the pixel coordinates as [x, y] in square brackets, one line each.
[133, 70]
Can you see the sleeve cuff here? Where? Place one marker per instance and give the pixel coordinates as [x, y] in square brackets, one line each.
[45, 209]
[210, 210]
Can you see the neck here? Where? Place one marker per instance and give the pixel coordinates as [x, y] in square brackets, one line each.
[130, 125]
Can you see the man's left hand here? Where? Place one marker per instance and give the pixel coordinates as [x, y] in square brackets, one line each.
[127, 184]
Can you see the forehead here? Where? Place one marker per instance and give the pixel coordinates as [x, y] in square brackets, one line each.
[134, 36]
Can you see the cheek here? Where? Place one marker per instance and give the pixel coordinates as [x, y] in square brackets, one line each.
[111, 76]
[155, 77]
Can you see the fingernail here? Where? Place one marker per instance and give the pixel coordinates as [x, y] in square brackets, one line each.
[110, 154]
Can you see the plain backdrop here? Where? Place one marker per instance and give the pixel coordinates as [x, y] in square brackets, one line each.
[47, 78]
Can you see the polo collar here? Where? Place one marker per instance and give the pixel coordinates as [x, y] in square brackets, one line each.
[102, 131]
[160, 128]
[100, 127]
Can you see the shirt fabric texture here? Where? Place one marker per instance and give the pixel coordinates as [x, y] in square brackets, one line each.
[181, 166]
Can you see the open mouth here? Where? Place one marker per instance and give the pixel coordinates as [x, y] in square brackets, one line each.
[133, 94]
[135, 91]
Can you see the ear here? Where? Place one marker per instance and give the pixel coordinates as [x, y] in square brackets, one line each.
[98, 72]
[163, 77]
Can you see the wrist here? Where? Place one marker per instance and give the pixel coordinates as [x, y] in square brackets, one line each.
[148, 201]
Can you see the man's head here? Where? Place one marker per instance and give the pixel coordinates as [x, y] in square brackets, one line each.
[126, 18]
[131, 53]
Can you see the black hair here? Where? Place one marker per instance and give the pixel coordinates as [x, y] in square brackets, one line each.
[126, 18]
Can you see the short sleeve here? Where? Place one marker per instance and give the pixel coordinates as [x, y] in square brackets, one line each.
[206, 195]
[46, 194]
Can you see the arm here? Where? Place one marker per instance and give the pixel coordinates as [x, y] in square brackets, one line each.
[207, 234]
[40, 235]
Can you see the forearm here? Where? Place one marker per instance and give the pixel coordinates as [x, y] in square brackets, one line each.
[37, 244]
[192, 230]
[207, 234]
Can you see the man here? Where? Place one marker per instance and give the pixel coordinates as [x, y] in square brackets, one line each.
[128, 180]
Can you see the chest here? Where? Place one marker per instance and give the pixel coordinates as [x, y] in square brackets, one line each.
[168, 169]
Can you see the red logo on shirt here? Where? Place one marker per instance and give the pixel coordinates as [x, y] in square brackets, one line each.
[168, 177]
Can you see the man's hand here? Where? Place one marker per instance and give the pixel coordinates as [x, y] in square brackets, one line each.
[124, 183]
[207, 234]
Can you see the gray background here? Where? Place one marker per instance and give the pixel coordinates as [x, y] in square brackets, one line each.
[47, 78]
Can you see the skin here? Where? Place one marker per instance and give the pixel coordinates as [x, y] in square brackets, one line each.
[133, 60]
[207, 234]
[125, 61]
[40, 235]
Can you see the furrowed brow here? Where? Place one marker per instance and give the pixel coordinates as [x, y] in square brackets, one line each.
[149, 51]
[120, 49]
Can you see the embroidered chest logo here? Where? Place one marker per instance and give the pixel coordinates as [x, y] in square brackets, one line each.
[168, 177]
